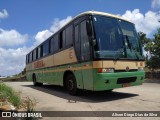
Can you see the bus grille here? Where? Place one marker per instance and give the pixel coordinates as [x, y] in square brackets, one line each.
[126, 80]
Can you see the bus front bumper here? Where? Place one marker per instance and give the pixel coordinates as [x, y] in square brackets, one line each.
[108, 81]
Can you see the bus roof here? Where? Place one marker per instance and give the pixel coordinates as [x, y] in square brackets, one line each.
[95, 13]
[88, 13]
[100, 13]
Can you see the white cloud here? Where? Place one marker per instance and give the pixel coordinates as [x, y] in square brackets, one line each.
[11, 38]
[3, 14]
[147, 23]
[56, 25]
[155, 4]
[12, 60]
[41, 36]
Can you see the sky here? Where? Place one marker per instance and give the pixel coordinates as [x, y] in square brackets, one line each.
[24, 24]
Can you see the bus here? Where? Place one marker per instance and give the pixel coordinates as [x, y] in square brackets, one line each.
[94, 51]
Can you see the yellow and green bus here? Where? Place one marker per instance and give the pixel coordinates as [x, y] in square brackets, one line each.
[94, 51]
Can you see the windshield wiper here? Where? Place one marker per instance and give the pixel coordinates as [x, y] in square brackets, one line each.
[121, 50]
[119, 53]
[130, 46]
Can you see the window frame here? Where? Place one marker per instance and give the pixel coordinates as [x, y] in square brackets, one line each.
[30, 57]
[77, 22]
[34, 54]
[45, 48]
[56, 38]
[69, 29]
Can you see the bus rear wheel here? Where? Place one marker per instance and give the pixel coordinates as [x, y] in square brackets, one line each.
[35, 83]
[71, 84]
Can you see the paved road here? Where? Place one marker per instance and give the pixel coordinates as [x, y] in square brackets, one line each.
[52, 98]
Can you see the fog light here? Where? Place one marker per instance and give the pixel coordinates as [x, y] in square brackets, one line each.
[105, 70]
[140, 69]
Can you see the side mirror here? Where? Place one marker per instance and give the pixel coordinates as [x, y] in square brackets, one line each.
[89, 28]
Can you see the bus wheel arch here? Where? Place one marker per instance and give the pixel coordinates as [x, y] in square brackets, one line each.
[34, 79]
[70, 83]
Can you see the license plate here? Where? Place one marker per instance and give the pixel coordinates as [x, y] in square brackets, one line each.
[126, 85]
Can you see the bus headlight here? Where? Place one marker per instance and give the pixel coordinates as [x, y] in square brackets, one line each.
[105, 70]
[140, 69]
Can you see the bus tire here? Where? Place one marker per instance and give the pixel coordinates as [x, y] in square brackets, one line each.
[35, 83]
[71, 84]
[109, 91]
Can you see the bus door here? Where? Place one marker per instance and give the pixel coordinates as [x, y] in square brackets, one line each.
[82, 49]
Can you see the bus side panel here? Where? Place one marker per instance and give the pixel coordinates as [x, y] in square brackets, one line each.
[87, 73]
[60, 74]
[54, 79]
[29, 76]
[28, 73]
[76, 70]
[78, 75]
[48, 75]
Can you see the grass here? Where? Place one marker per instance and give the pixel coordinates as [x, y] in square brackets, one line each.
[29, 104]
[7, 93]
[14, 78]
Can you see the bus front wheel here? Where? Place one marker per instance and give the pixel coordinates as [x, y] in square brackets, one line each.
[71, 84]
[35, 83]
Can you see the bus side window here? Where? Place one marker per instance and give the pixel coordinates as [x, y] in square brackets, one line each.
[62, 39]
[54, 44]
[39, 52]
[46, 48]
[77, 42]
[69, 35]
[51, 45]
[35, 54]
[85, 48]
[26, 59]
[30, 57]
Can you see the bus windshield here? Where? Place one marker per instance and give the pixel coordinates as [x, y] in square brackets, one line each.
[115, 39]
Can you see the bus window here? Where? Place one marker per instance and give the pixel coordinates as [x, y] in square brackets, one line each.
[45, 48]
[54, 44]
[69, 32]
[85, 49]
[26, 59]
[77, 42]
[62, 39]
[39, 52]
[35, 54]
[51, 45]
[30, 57]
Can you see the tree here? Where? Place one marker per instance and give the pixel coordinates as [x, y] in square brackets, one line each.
[146, 43]
[24, 71]
[143, 39]
[156, 45]
[153, 47]
[153, 63]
